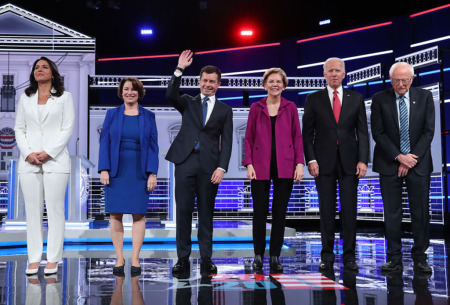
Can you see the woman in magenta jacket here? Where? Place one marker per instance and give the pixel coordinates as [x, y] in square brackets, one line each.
[273, 151]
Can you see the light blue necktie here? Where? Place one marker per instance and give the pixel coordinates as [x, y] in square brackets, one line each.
[205, 111]
[405, 146]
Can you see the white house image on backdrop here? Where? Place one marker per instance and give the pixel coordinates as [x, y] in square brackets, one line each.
[24, 37]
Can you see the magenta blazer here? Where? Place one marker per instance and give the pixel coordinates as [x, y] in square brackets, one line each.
[288, 138]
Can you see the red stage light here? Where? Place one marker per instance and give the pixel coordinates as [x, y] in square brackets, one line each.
[246, 33]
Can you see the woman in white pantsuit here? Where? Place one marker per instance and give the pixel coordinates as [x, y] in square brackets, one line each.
[44, 124]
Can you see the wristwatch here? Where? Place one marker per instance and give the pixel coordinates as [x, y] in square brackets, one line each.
[179, 69]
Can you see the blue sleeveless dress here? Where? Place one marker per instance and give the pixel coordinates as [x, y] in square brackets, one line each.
[127, 192]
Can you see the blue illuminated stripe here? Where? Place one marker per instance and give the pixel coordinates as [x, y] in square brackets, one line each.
[154, 239]
[230, 197]
[240, 243]
[241, 97]
[370, 83]
[434, 72]
[13, 243]
[338, 197]
[11, 188]
[150, 197]
[13, 251]
[306, 92]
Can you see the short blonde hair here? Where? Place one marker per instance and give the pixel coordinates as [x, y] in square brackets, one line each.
[276, 70]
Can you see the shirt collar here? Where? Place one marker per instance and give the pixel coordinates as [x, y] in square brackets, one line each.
[406, 95]
[331, 90]
[212, 98]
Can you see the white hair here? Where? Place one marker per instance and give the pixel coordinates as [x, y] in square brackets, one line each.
[333, 59]
[399, 64]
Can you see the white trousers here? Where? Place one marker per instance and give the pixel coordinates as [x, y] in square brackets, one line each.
[53, 294]
[52, 187]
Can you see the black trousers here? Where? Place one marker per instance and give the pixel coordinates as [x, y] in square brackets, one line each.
[192, 181]
[282, 189]
[348, 194]
[418, 196]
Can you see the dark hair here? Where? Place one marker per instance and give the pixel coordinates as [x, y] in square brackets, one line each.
[211, 69]
[57, 83]
[137, 85]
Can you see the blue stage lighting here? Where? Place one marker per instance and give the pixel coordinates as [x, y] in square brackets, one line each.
[146, 32]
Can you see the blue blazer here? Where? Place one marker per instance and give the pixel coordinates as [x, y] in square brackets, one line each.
[111, 134]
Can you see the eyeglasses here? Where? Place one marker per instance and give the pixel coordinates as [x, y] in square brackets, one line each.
[398, 81]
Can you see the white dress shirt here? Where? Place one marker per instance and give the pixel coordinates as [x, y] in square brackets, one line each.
[211, 102]
[331, 94]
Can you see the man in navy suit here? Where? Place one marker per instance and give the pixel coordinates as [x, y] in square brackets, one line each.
[336, 146]
[201, 153]
[403, 122]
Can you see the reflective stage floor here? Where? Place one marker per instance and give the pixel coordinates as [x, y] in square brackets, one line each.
[85, 276]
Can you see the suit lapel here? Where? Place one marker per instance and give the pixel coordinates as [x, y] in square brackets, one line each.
[141, 120]
[327, 104]
[263, 103]
[215, 112]
[412, 107]
[197, 109]
[50, 102]
[393, 107]
[34, 106]
[345, 105]
[120, 115]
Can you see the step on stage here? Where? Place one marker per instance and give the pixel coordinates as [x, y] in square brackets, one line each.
[85, 274]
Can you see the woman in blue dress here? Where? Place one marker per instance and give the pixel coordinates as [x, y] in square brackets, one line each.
[128, 164]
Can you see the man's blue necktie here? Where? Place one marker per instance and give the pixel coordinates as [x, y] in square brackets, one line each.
[205, 108]
[205, 111]
[405, 146]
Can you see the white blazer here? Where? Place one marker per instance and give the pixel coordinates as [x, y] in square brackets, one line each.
[49, 134]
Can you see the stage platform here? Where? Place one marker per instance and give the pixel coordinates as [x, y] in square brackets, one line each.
[85, 274]
[156, 232]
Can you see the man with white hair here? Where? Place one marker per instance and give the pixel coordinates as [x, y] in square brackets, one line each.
[336, 147]
[402, 122]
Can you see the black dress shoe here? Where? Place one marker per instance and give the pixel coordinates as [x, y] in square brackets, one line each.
[258, 263]
[275, 265]
[422, 267]
[393, 265]
[135, 271]
[207, 267]
[351, 266]
[182, 266]
[325, 266]
[120, 270]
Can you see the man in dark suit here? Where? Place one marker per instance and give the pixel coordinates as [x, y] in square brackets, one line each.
[336, 146]
[403, 127]
[201, 153]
